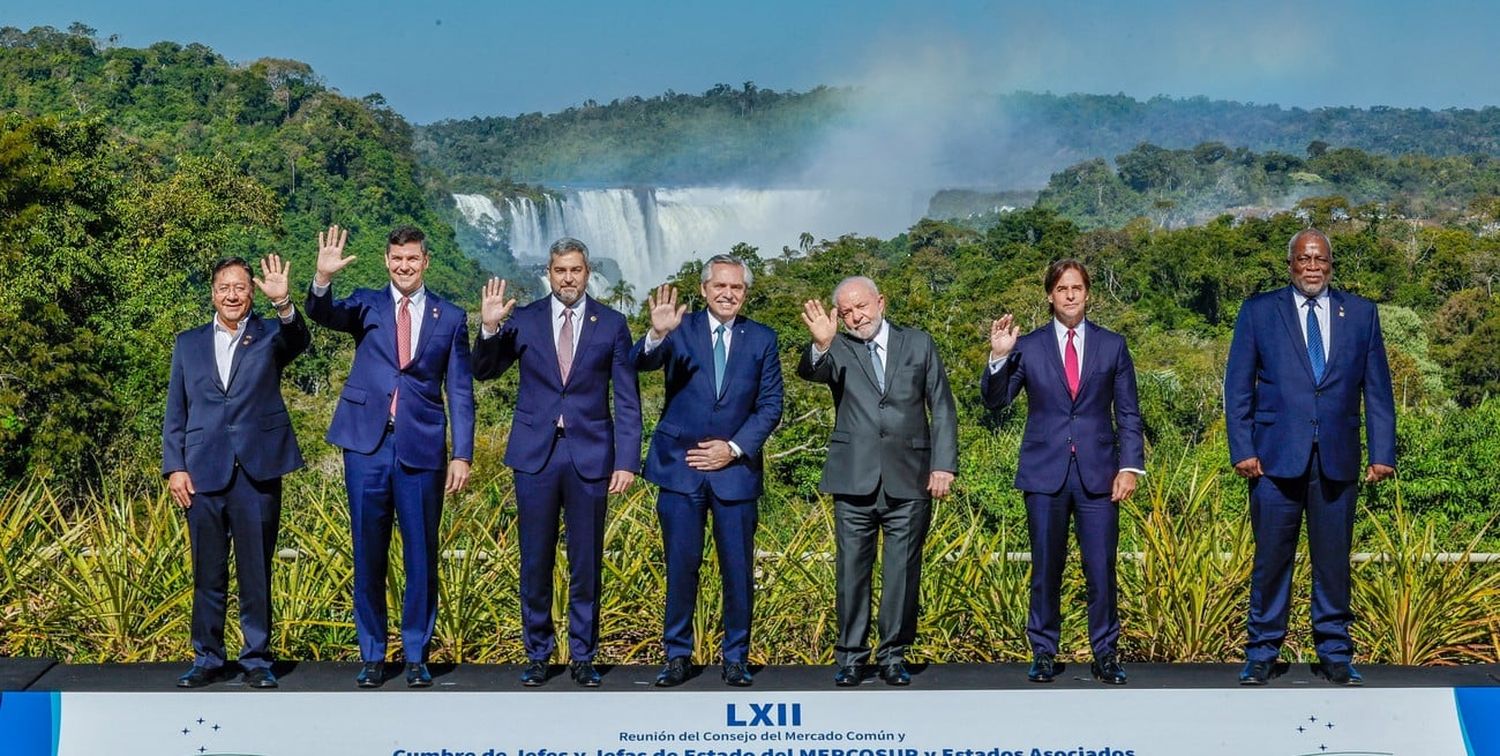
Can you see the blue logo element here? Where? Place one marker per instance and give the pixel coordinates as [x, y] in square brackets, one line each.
[764, 715]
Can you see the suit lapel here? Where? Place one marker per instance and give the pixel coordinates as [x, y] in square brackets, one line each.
[1286, 303]
[584, 331]
[1338, 335]
[895, 343]
[207, 353]
[253, 330]
[1054, 357]
[542, 313]
[700, 344]
[861, 356]
[1091, 363]
[431, 314]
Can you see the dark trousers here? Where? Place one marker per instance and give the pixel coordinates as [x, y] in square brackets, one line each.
[683, 517]
[381, 488]
[1277, 507]
[247, 514]
[1096, 520]
[859, 521]
[541, 497]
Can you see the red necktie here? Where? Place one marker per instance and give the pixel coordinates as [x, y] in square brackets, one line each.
[1070, 365]
[403, 342]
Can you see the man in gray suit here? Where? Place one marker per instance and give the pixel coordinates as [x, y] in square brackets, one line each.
[886, 462]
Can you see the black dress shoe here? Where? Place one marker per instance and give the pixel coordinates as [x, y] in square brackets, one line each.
[1107, 670]
[200, 676]
[261, 677]
[1043, 668]
[1342, 673]
[372, 675]
[535, 673]
[737, 675]
[847, 676]
[417, 676]
[1255, 673]
[895, 674]
[673, 673]
[584, 674]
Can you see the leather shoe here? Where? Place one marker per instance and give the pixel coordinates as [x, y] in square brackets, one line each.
[200, 676]
[895, 674]
[673, 673]
[261, 677]
[1342, 673]
[417, 676]
[1255, 673]
[1107, 670]
[535, 673]
[372, 675]
[1043, 668]
[737, 675]
[847, 676]
[584, 674]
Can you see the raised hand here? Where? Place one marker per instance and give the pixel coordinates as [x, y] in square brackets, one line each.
[1003, 333]
[823, 323]
[273, 280]
[494, 308]
[331, 258]
[666, 314]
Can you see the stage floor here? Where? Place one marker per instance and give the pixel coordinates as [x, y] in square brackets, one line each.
[46, 675]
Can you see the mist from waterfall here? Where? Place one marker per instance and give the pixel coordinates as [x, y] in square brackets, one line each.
[650, 233]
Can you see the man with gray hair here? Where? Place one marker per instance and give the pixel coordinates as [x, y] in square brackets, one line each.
[723, 399]
[893, 449]
[1303, 360]
[567, 453]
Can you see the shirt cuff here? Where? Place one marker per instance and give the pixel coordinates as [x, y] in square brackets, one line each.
[1137, 471]
[486, 333]
[291, 314]
[649, 343]
[319, 291]
[817, 354]
[738, 452]
[996, 364]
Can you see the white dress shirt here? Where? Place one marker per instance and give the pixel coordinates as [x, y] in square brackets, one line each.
[1325, 318]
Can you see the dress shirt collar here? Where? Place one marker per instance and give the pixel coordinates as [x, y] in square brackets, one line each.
[418, 298]
[558, 307]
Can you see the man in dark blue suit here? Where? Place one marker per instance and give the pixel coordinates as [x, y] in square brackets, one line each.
[411, 350]
[226, 441]
[567, 453]
[1080, 454]
[1302, 359]
[723, 387]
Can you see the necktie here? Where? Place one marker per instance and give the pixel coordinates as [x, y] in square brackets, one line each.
[1315, 342]
[403, 342]
[565, 345]
[1070, 365]
[879, 367]
[720, 357]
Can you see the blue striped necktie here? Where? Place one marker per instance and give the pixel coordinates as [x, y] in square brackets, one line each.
[1315, 342]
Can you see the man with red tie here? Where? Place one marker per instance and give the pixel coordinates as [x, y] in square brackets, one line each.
[411, 350]
[1080, 454]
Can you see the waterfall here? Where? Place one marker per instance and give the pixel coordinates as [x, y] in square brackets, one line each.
[650, 233]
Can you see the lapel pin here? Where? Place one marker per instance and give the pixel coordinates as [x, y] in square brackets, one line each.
[434, 313]
[246, 341]
[1341, 312]
[593, 318]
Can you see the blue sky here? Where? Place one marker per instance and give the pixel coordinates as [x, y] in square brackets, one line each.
[451, 59]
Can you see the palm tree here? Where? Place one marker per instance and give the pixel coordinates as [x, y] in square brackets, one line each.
[622, 295]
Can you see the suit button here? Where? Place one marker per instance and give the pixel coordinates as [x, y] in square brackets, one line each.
[1315, 421]
[882, 434]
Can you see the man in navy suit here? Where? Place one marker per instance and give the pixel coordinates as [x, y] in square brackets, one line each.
[567, 453]
[723, 386]
[226, 441]
[1302, 359]
[410, 350]
[1080, 454]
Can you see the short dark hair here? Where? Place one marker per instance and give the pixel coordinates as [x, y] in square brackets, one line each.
[567, 245]
[230, 262]
[1056, 269]
[402, 235]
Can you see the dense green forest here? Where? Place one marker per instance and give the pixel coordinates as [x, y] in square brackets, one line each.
[749, 134]
[123, 174]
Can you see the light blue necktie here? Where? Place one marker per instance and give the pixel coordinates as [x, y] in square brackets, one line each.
[1315, 342]
[879, 368]
[720, 357]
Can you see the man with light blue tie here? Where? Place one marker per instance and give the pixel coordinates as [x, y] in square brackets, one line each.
[411, 353]
[723, 399]
[1302, 360]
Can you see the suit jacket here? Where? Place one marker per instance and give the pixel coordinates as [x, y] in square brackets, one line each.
[886, 438]
[601, 358]
[745, 412]
[1101, 426]
[1274, 409]
[439, 364]
[210, 426]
